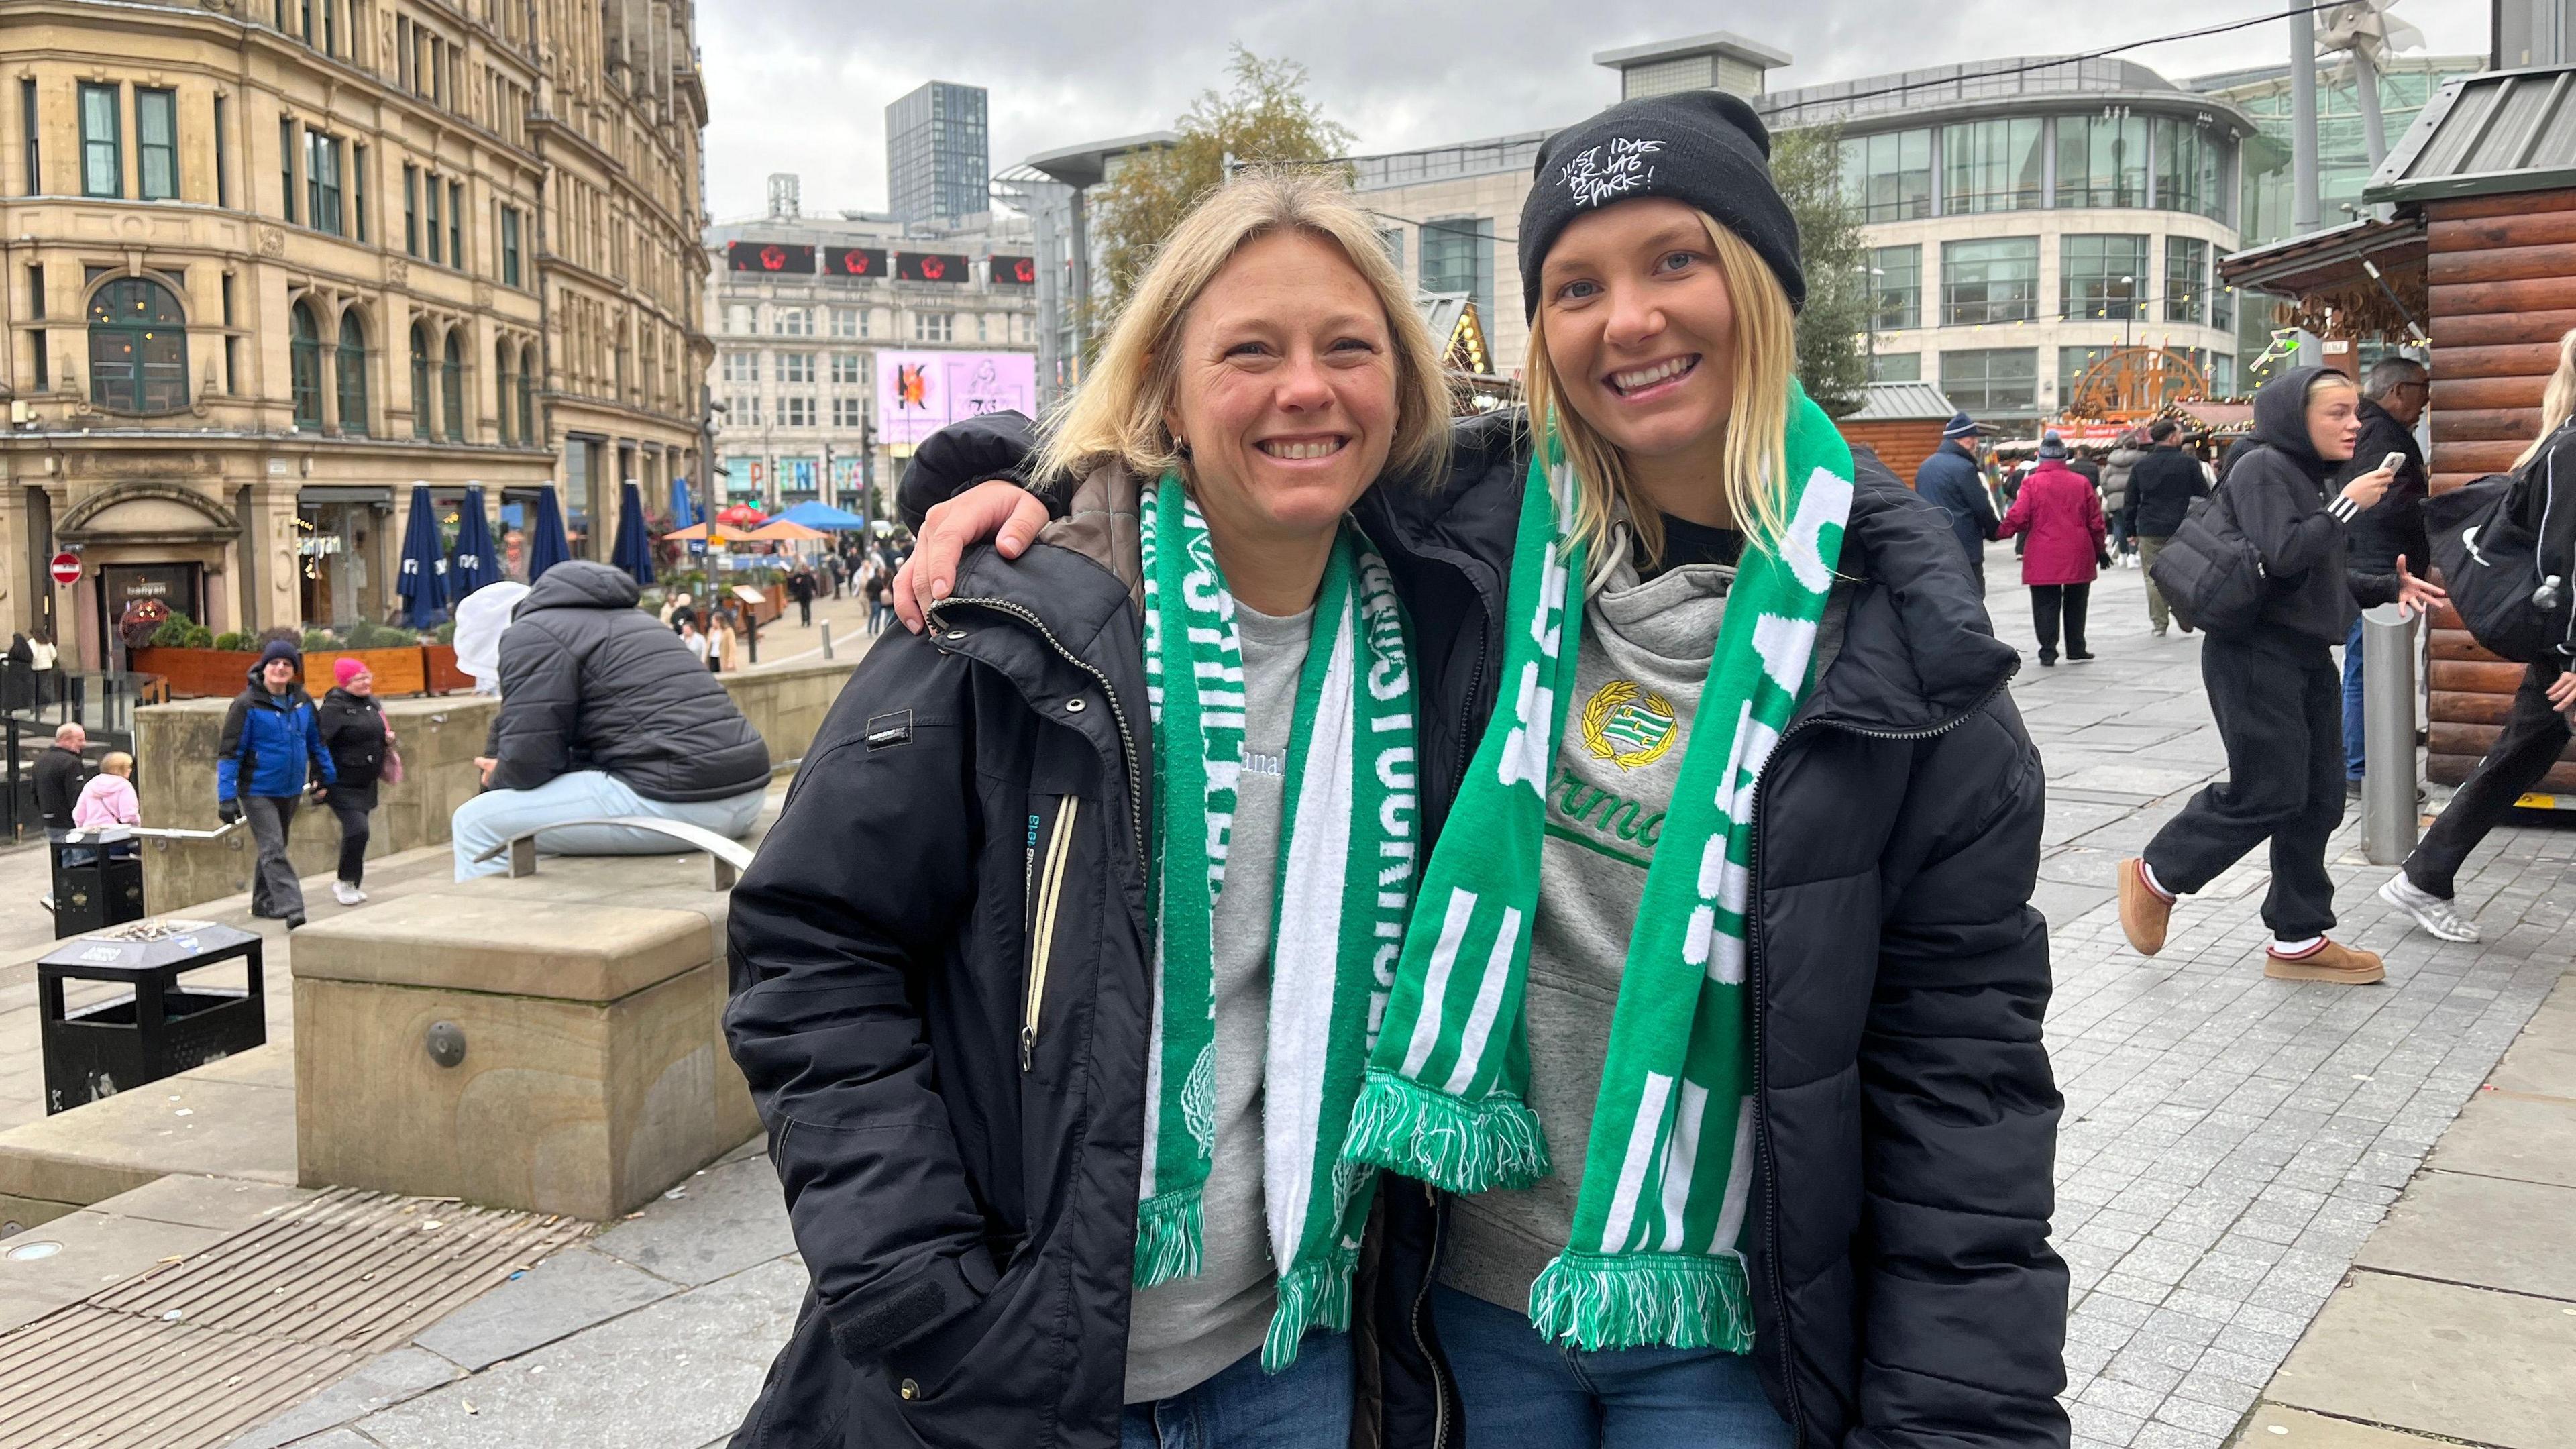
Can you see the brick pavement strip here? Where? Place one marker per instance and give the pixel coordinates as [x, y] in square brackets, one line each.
[2230, 1142]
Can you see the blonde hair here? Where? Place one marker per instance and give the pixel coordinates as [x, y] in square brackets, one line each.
[2557, 401]
[116, 762]
[1118, 411]
[1763, 359]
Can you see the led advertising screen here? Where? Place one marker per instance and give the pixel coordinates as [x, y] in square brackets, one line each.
[1015, 271]
[748, 256]
[855, 261]
[930, 267]
[918, 393]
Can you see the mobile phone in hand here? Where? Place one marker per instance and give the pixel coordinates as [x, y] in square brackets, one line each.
[2392, 462]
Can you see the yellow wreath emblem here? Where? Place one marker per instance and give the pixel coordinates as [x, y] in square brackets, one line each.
[1627, 726]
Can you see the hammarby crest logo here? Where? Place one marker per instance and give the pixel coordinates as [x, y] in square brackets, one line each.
[1628, 726]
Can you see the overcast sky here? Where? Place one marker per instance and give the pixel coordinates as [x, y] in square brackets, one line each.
[802, 85]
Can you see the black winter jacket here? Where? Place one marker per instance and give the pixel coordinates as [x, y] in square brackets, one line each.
[59, 773]
[2280, 491]
[2162, 485]
[2395, 524]
[353, 730]
[590, 682]
[1905, 1296]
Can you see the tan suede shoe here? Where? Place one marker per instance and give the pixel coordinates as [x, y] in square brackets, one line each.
[2343, 965]
[2144, 914]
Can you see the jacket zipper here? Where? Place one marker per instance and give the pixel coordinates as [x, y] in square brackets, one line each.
[1753, 958]
[1050, 892]
[1126, 735]
[1422, 1306]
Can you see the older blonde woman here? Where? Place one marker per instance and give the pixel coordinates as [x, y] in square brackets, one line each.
[1056, 981]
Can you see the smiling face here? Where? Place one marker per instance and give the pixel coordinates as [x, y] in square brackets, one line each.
[361, 684]
[2334, 418]
[1640, 328]
[277, 674]
[1284, 391]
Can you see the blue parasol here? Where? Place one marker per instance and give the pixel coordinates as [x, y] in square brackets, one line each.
[824, 516]
[472, 565]
[684, 509]
[422, 583]
[547, 546]
[634, 551]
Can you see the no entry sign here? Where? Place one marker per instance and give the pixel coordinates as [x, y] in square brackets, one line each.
[66, 569]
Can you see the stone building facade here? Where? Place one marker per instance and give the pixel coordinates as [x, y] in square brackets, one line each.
[272, 264]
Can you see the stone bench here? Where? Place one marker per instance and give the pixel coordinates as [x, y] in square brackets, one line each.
[553, 1043]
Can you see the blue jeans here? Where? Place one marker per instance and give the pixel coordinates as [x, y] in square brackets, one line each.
[496, 815]
[2352, 760]
[1523, 1392]
[1304, 1406]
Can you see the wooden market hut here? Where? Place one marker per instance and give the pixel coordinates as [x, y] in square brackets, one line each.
[1902, 420]
[2479, 252]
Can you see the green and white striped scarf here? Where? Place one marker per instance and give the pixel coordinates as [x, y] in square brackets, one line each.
[1346, 861]
[1667, 1172]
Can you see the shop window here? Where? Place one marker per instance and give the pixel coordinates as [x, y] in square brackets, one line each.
[138, 347]
[349, 372]
[305, 364]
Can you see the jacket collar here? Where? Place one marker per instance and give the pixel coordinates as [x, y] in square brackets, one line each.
[1916, 651]
[1072, 582]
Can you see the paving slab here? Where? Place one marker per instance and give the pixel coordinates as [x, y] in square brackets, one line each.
[2505, 1134]
[2276, 1427]
[2490, 1232]
[184, 1123]
[2542, 1062]
[573, 1290]
[719, 1221]
[384, 1381]
[70, 1258]
[2491, 1368]
[196, 1200]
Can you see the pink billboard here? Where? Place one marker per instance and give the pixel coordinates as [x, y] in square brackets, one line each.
[918, 393]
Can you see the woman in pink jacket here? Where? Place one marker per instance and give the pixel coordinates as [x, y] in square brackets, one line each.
[2062, 514]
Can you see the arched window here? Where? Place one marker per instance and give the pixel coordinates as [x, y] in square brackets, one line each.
[421, 405]
[138, 347]
[527, 394]
[501, 396]
[305, 356]
[452, 389]
[350, 372]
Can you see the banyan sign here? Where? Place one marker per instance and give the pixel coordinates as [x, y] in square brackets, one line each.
[758, 256]
[931, 267]
[918, 393]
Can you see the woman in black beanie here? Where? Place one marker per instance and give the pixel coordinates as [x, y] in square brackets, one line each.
[1882, 1273]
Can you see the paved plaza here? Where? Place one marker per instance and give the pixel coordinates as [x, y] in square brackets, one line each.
[2230, 1146]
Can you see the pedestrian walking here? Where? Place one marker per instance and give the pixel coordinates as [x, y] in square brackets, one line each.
[270, 749]
[2274, 691]
[2060, 517]
[800, 587]
[108, 799]
[724, 643]
[59, 771]
[1951, 479]
[2162, 484]
[1152, 1125]
[875, 585]
[696, 639]
[2393, 395]
[2119, 484]
[44, 661]
[2536, 732]
[676, 608]
[1661, 352]
[361, 742]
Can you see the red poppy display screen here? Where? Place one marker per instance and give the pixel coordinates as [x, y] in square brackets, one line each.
[930, 267]
[755, 256]
[1015, 271]
[855, 261]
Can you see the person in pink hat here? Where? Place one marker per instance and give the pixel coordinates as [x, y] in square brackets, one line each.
[353, 728]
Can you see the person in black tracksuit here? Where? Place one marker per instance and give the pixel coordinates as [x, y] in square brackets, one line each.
[2163, 481]
[2276, 692]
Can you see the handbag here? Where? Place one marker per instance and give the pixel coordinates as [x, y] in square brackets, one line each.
[2514, 603]
[2211, 574]
[391, 772]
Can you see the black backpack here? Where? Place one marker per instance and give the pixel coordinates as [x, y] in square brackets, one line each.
[2210, 573]
[2519, 604]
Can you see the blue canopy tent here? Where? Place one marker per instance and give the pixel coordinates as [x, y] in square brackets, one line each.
[472, 565]
[634, 551]
[824, 516]
[422, 582]
[547, 546]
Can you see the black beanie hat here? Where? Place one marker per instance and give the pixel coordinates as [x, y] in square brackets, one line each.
[1705, 148]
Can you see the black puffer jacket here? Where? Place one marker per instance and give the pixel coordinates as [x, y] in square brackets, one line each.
[2280, 490]
[1905, 1296]
[589, 682]
[2394, 526]
[2162, 485]
[353, 730]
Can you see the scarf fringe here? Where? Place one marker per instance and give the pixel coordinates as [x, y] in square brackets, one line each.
[1170, 1229]
[1454, 1145]
[1312, 1295]
[1644, 1300]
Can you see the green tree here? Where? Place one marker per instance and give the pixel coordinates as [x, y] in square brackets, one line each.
[1806, 164]
[1265, 118]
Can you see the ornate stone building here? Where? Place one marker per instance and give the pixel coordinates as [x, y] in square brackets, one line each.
[271, 264]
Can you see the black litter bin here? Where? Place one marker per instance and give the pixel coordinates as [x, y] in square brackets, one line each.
[158, 1027]
[98, 881]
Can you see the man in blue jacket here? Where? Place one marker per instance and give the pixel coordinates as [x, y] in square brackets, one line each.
[1949, 478]
[271, 747]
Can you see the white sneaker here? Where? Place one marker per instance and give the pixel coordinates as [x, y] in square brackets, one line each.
[346, 894]
[2430, 911]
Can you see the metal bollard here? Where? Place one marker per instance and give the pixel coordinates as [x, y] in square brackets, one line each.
[2387, 735]
[827, 640]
